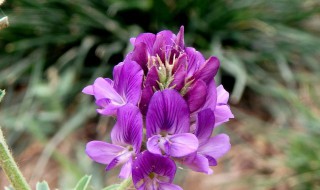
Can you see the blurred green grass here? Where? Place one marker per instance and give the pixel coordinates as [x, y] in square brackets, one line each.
[270, 52]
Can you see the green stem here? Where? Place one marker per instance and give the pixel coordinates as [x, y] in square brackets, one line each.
[10, 168]
[125, 184]
[8, 164]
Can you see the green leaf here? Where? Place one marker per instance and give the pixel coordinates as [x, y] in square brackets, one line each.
[42, 186]
[112, 187]
[83, 183]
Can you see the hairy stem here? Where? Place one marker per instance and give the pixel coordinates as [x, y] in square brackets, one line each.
[8, 164]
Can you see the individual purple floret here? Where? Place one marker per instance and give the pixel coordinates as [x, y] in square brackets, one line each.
[126, 88]
[222, 111]
[168, 125]
[126, 139]
[210, 148]
[153, 172]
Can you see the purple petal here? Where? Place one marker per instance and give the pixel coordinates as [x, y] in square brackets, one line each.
[178, 46]
[168, 186]
[132, 40]
[147, 163]
[196, 95]
[106, 96]
[163, 166]
[146, 95]
[208, 70]
[129, 126]
[180, 39]
[119, 160]
[204, 125]
[153, 144]
[125, 171]
[222, 95]
[110, 110]
[102, 88]
[211, 99]
[216, 146]
[180, 145]
[88, 90]
[222, 114]
[146, 38]
[102, 152]
[181, 61]
[163, 44]
[197, 163]
[212, 161]
[222, 110]
[179, 78]
[168, 112]
[128, 77]
[195, 59]
[107, 107]
[103, 102]
[140, 55]
[150, 84]
[152, 77]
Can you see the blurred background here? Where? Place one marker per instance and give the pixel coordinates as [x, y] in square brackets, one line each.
[269, 51]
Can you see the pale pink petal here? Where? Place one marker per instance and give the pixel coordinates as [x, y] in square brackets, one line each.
[88, 90]
[153, 144]
[222, 114]
[198, 163]
[103, 89]
[102, 152]
[168, 186]
[222, 95]
[216, 147]
[180, 145]
[125, 171]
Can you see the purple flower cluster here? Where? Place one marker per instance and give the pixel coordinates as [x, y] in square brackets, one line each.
[167, 105]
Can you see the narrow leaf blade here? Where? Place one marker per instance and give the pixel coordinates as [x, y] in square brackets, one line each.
[83, 183]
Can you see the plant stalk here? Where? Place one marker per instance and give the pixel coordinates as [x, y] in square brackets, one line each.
[8, 164]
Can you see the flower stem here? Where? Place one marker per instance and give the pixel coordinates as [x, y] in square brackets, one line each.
[8, 164]
[125, 184]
